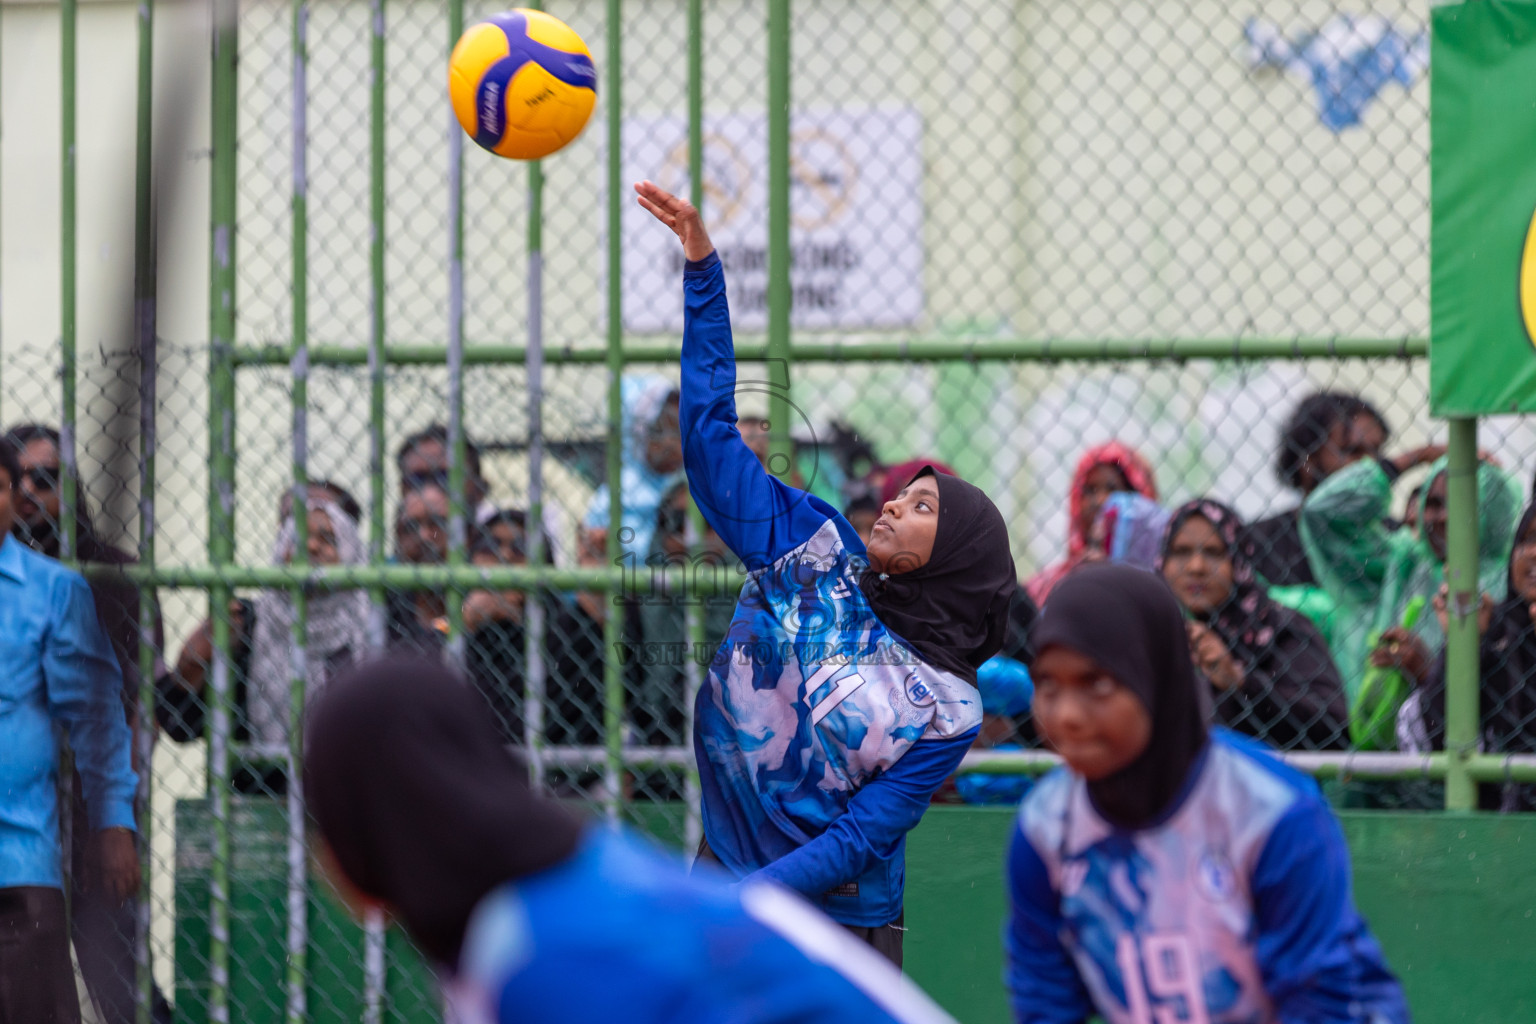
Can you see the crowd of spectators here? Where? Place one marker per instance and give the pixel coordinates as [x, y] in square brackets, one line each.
[1312, 626]
[1319, 628]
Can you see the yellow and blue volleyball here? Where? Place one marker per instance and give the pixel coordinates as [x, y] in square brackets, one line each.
[522, 84]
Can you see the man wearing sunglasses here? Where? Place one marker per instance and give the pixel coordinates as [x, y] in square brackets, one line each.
[103, 927]
[59, 672]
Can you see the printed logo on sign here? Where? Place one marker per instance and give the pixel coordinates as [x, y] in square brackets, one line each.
[920, 693]
[1528, 282]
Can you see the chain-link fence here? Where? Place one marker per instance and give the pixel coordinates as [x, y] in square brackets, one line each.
[1070, 250]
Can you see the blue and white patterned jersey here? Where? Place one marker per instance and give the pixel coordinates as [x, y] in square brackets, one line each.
[621, 932]
[820, 735]
[1235, 909]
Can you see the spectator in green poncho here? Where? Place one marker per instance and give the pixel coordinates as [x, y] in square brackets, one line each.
[1372, 572]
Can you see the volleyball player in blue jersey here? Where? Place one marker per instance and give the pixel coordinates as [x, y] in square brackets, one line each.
[537, 917]
[1171, 874]
[844, 692]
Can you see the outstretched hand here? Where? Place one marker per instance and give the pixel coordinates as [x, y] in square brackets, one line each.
[678, 214]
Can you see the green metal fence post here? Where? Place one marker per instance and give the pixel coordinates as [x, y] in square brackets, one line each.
[221, 479]
[144, 325]
[377, 115]
[694, 608]
[1461, 636]
[533, 697]
[968, 349]
[298, 895]
[613, 621]
[780, 294]
[69, 477]
[373, 924]
[456, 511]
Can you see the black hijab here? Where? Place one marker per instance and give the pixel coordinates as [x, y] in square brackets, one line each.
[1513, 614]
[1507, 656]
[421, 805]
[1128, 622]
[954, 608]
[1248, 620]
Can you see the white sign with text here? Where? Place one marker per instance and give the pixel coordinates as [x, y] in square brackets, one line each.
[856, 180]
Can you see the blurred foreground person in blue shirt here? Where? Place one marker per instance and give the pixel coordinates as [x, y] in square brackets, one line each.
[534, 915]
[57, 668]
[1169, 871]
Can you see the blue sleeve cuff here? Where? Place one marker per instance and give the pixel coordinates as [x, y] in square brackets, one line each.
[706, 263]
[116, 814]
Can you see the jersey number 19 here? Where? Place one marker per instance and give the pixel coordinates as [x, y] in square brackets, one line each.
[1162, 982]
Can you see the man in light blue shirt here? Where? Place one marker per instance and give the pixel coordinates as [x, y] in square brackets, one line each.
[57, 669]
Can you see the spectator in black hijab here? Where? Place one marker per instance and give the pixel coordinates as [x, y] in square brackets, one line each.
[1269, 669]
[1507, 696]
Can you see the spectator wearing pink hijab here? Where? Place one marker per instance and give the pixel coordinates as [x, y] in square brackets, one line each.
[1103, 470]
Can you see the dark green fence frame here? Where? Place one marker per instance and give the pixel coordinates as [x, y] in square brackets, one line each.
[1460, 765]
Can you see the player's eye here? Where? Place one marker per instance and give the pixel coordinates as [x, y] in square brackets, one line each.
[1103, 687]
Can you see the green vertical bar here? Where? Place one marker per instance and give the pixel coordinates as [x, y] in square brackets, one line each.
[613, 622]
[781, 456]
[144, 322]
[373, 926]
[1461, 637]
[696, 103]
[692, 670]
[376, 412]
[298, 897]
[456, 516]
[535, 683]
[221, 478]
[69, 14]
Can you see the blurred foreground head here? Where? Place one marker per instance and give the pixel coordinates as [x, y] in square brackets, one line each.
[418, 804]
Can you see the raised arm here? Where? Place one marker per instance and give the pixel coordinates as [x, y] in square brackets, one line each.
[758, 516]
[1344, 530]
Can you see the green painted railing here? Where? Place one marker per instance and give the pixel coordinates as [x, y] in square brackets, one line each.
[1460, 766]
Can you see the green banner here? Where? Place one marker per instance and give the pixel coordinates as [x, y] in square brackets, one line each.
[1483, 208]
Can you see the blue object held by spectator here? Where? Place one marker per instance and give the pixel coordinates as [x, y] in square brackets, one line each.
[1006, 687]
[994, 789]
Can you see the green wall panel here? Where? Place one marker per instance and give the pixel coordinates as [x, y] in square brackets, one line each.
[1452, 899]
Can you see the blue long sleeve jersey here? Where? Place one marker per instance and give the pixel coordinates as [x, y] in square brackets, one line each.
[1235, 909]
[820, 735]
[621, 932]
[56, 668]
